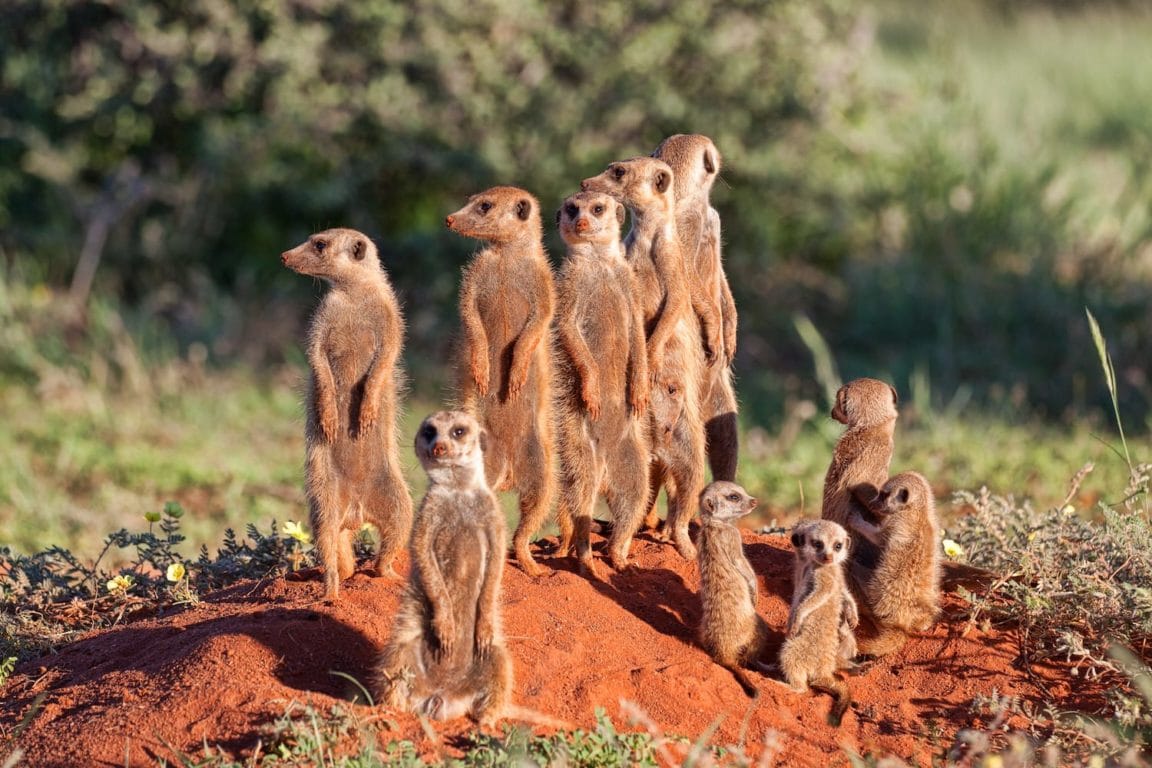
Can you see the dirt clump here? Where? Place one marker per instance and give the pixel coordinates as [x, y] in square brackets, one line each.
[219, 672]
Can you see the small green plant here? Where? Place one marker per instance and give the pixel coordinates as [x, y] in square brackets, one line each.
[6, 666]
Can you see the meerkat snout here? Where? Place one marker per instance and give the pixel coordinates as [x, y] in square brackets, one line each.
[448, 221]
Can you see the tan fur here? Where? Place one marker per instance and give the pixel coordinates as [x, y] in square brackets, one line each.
[602, 380]
[862, 455]
[675, 357]
[352, 472]
[446, 656]
[695, 164]
[902, 594]
[504, 364]
[821, 603]
[731, 630]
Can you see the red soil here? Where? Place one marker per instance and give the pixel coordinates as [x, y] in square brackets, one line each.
[218, 672]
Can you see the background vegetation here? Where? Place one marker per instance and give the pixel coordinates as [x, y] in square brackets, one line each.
[932, 193]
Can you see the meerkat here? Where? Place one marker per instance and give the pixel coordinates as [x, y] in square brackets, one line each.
[850, 618]
[504, 363]
[902, 593]
[862, 455]
[695, 164]
[352, 470]
[675, 357]
[602, 382]
[446, 656]
[821, 603]
[731, 630]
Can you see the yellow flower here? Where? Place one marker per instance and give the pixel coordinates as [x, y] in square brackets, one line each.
[120, 583]
[175, 572]
[952, 549]
[294, 529]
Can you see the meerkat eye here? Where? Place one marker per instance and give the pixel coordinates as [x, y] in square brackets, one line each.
[797, 540]
[485, 206]
[671, 389]
[572, 210]
[818, 546]
[429, 432]
[618, 172]
[733, 497]
[320, 245]
[459, 432]
[597, 209]
[838, 546]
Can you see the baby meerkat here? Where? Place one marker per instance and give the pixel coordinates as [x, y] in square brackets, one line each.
[731, 630]
[695, 163]
[602, 380]
[675, 356]
[504, 365]
[352, 472]
[446, 656]
[814, 646]
[862, 455]
[902, 594]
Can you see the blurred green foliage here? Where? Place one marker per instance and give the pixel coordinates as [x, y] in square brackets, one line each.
[940, 188]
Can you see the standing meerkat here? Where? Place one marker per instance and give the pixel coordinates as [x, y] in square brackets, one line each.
[731, 630]
[602, 380]
[446, 656]
[902, 594]
[675, 357]
[504, 364]
[695, 164]
[352, 471]
[862, 455]
[814, 646]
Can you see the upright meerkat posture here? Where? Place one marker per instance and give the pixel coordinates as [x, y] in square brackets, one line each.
[602, 380]
[352, 473]
[695, 164]
[730, 628]
[902, 594]
[505, 362]
[675, 357]
[446, 656]
[862, 455]
[821, 602]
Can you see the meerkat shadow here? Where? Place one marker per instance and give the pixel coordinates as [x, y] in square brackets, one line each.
[774, 566]
[657, 596]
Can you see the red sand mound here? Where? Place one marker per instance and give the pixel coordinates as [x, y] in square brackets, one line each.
[221, 670]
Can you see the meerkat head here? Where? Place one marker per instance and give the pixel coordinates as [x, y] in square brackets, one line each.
[820, 542]
[335, 255]
[498, 215]
[903, 491]
[695, 164]
[723, 501]
[668, 403]
[642, 183]
[865, 403]
[448, 441]
[590, 217]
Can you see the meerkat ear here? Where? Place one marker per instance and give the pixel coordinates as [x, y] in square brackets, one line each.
[523, 208]
[709, 162]
[709, 503]
[484, 440]
[358, 250]
[620, 213]
[895, 397]
[842, 399]
[558, 210]
[662, 181]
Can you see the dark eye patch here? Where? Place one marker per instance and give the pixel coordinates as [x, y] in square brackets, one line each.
[485, 206]
[428, 433]
[319, 245]
[572, 210]
[797, 540]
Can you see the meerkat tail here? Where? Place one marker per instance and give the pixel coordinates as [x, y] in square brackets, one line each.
[842, 699]
[533, 717]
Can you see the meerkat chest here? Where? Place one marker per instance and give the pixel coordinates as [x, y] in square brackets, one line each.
[461, 551]
[349, 333]
[505, 290]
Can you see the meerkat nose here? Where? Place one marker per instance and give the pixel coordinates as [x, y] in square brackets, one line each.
[448, 221]
[439, 449]
[284, 257]
[582, 224]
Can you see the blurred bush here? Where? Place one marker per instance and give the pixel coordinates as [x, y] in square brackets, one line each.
[165, 153]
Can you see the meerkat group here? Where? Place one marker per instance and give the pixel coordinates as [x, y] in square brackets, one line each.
[611, 379]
